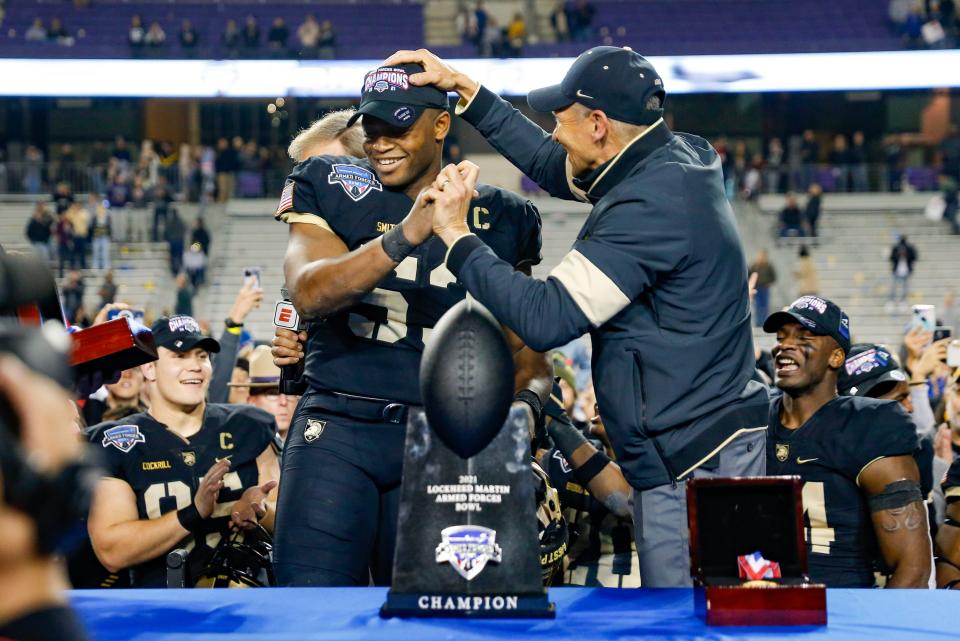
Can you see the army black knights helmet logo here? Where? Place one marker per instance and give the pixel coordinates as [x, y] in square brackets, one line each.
[782, 451]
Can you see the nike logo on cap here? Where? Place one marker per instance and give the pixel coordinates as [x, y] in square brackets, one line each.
[580, 94]
[801, 461]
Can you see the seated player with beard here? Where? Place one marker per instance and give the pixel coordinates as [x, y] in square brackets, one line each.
[862, 502]
[186, 471]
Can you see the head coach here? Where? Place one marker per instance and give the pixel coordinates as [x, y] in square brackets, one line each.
[657, 276]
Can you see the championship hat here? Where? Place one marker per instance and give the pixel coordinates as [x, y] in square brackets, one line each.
[819, 315]
[615, 80]
[389, 95]
[181, 334]
[869, 366]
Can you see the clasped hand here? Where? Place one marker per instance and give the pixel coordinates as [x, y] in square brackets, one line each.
[446, 201]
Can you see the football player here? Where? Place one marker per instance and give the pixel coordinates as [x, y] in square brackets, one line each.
[872, 371]
[597, 502]
[862, 501]
[184, 472]
[371, 283]
[948, 537]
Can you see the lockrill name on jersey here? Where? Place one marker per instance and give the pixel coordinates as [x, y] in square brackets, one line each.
[828, 452]
[373, 348]
[164, 471]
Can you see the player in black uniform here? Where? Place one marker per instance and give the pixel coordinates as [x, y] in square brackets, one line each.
[862, 502]
[184, 472]
[371, 283]
[596, 501]
[948, 537]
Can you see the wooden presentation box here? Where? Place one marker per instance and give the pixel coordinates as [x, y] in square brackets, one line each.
[730, 517]
[112, 347]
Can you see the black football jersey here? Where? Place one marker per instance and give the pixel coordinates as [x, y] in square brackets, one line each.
[600, 547]
[373, 348]
[164, 470]
[828, 452]
[951, 482]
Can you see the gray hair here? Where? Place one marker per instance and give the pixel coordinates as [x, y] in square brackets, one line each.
[333, 126]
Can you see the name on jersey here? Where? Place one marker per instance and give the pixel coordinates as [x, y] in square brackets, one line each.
[150, 466]
[356, 181]
[383, 80]
[383, 227]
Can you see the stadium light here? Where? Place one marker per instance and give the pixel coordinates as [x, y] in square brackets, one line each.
[890, 70]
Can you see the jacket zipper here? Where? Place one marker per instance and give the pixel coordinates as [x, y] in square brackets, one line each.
[638, 363]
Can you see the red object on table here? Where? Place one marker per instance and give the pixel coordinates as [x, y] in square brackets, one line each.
[732, 517]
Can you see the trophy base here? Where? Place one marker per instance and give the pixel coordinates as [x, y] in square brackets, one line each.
[472, 606]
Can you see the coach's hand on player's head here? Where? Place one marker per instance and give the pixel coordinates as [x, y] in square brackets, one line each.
[287, 347]
[210, 486]
[252, 506]
[436, 72]
[450, 196]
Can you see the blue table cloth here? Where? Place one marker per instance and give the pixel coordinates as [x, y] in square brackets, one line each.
[583, 614]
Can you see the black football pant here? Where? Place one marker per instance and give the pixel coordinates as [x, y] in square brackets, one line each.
[339, 497]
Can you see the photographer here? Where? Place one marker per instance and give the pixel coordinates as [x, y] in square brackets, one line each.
[33, 606]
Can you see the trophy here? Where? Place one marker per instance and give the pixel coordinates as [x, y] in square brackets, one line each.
[29, 295]
[467, 542]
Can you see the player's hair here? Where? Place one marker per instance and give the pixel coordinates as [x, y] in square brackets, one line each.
[333, 126]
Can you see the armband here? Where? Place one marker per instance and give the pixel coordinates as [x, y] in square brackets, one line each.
[594, 465]
[566, 437]
[536, 406]
[896, 494]
[190, 518]
[395, 244]
[951, 522]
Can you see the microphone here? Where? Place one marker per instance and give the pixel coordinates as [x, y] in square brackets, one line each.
[285, 316]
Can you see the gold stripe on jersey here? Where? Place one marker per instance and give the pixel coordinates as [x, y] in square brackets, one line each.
[291, 217]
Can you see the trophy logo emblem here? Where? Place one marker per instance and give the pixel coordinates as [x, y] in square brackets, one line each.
[468, 548]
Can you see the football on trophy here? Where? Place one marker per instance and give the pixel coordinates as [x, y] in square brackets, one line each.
[466, 378]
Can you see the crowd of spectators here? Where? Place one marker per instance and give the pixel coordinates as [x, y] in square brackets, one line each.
[136, 175]
[836, 162]
[570, 20]
[925, 24]
[313, 39]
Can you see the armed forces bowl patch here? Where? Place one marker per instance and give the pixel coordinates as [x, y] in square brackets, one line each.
[123, 437]
[468, 548]
[356, 181]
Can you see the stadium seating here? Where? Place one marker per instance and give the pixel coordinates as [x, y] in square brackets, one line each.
[373, 29]
[857, 232]
[689, 27]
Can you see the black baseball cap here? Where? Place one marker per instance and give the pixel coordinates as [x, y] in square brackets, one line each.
[389, 95]
[819, 315]
[616, 80]
[181, 334]
[867, 367]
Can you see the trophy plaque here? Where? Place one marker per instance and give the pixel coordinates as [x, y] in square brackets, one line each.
[467, 542]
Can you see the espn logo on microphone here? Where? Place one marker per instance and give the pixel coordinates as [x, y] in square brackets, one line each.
[286, 316]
